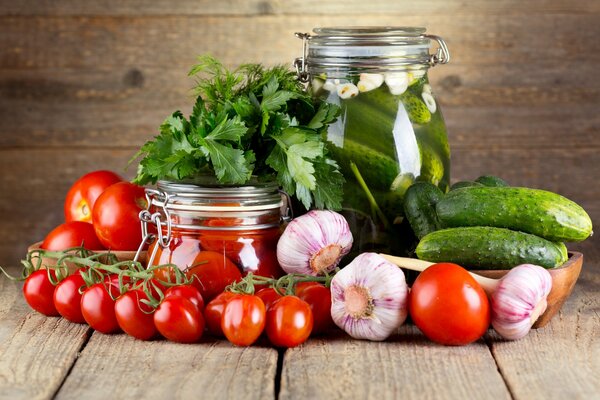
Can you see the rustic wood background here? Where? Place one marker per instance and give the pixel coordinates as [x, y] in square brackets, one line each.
[84, 83]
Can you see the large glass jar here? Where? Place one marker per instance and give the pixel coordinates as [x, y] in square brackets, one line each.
[390, 132]
[203, 223]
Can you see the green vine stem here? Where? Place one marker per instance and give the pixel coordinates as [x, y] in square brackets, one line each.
[286, 285]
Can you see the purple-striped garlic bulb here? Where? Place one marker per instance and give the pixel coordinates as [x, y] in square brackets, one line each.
[369, 298]
[314, 243]
[519, 299]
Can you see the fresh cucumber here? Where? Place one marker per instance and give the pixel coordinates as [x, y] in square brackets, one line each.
[563, 249]
[419, 208]
[489, 248]
[534, 211]
[492, 181]
[382, 99]
[464, 184]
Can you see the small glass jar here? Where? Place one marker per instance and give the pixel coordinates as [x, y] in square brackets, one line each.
[200, 220]
[390, 132]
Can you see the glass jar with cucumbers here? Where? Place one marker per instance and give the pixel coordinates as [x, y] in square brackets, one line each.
[390, 132]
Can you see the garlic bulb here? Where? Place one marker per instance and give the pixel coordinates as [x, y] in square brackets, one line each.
[519, 299]
[314, 243]
[347, 90]
[369, 298]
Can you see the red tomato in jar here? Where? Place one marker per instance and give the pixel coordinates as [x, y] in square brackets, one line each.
[134, 317]
[98, 308]
[84, 192]
[289, 322]
[67, 298]
[116, 216]
[318, 298]
[188, 292]
[179, 320]
[448, 305]
[214, 312]
[38, 291]
[211, 273]
[243, 319]
[72, 234]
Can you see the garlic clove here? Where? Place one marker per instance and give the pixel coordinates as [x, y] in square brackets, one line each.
[314, 243]
[397, 82]
[519, 300]
[330, 86]
[427, 88]
[347, 90]
[429, 101]
[369, 82]
[369, 298]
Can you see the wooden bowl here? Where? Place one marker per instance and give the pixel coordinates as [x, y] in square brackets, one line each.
[563, 282]
[121, 256]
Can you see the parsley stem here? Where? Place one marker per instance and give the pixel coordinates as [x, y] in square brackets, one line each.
[369, 195]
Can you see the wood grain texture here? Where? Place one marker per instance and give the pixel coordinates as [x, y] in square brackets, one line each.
[126, 368]
[405, 366]
[36, 352]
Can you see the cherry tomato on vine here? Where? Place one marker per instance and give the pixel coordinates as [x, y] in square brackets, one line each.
[214, 312]
[318, 298]
[72, 234]
[188, 292]
[179, 320]
[98, 308]
[67, 298]
[301, 286]
[116, 216]
[268, 296]
[134, 317]
[243, 319]
[289, 322]
[84, 192]
[39, 292]
[212, 272]
[448, 305]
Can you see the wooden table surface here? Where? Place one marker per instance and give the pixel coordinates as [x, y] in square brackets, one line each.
[47, 357]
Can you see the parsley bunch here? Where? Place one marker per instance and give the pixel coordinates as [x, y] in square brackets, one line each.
[249, 121]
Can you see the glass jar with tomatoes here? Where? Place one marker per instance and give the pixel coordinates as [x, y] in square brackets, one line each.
[218, 233]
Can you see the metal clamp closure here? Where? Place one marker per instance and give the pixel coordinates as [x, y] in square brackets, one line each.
[146, 217]
[300, 63]
[442, 55]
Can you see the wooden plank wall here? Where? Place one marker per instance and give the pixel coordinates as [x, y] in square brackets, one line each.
[84, 83]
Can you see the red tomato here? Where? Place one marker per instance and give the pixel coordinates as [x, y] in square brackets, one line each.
[301, 286]
[448, 305]
[116, 216]
[84, 192]
[268, 296]
[134, 317]
[213, 273]
[214, 312]
[67, 298]
[39, 292]
[187, 292]
[179, 320]
[112, 283]
[98, 309]
[243, 319]
[289, 322]
[318, 298]
[72, 234]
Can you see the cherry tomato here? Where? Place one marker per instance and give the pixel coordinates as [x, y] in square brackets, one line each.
[268, 296]
[67, 298]
[179, 320]
[243, 319]
[213, 272]
[116, 216]
[39, 292]
[134, 317]
[84, 192]
[214, 312]
[289, 322]
[448, 305]
[112, 283]
[72, 234]
[98, 308]
[318, 298]
[301, 286]
[188, 292]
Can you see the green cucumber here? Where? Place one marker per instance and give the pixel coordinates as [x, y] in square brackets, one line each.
[534, 211]
[432, 167]
[419, 208]
[489, 248]
[367, 124]
[383, 100]
[464, 184]
[492, 181]
[563, 249]
[416, 108]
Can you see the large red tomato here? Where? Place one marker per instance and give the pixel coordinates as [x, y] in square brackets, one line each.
[84, 192]
[212, 273]
[116, 216]
[72, 234]
[448, 305]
